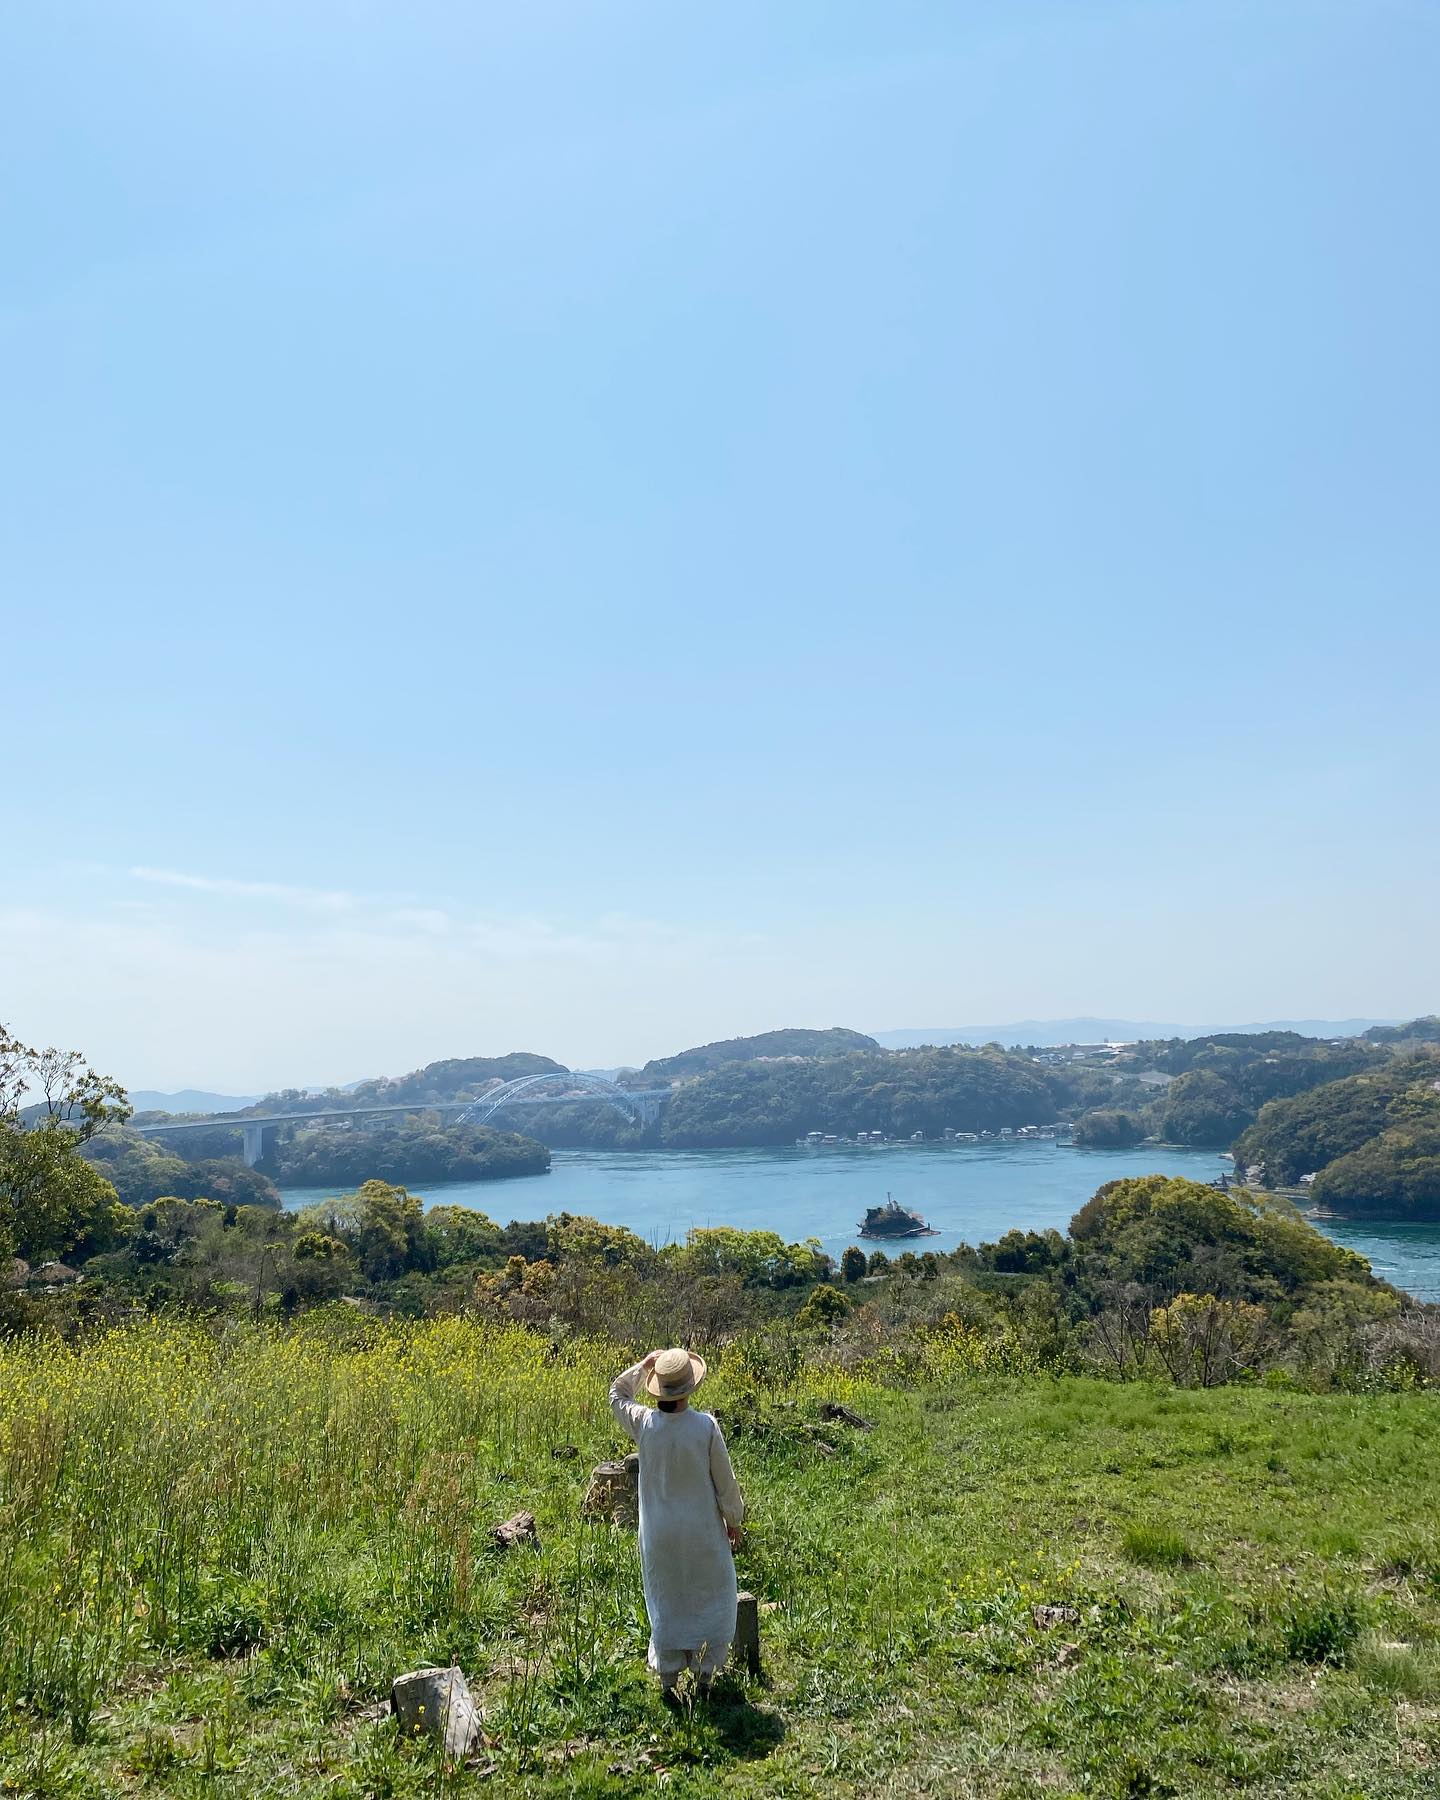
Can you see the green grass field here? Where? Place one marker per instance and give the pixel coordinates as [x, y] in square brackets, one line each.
[216, 1556]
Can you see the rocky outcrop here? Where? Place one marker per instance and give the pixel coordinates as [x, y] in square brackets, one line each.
[517, 1530]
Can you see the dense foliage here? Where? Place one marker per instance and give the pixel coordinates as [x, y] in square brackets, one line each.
[838, 1040]
[916, 1090]
[252, 1490]
[1300, 1136]
[1418, 1031]
[1371, 1142]
[1222, 1081]
[1175, 1236]
[1395, 1177]
[416, 1149]
[1108, 1130]
[1199, 1107]
[1150, 1264]
[142, 1171]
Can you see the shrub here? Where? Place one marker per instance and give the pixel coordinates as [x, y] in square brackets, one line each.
[824, 1306]
[1204, 1342]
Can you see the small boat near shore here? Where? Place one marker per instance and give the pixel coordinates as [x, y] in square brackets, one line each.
[894, 1221]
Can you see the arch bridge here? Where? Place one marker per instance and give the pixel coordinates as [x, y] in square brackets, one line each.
[640, 1105]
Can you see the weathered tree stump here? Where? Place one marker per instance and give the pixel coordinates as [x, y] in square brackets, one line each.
[517, 1530]
[747, 1631]
[614, 1493]
[438, 1701]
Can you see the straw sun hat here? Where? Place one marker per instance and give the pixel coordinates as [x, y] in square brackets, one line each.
[675, 1374]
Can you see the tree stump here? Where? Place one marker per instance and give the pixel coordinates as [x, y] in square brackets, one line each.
[520, 1529]
[747, 1631]
[438, 1701]
[614, 1493]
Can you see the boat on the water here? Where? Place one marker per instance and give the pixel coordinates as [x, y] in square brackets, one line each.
[894, 1221]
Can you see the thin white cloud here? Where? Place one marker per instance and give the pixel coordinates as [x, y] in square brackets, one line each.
[315, 899]
[384, 927]
[375, 925]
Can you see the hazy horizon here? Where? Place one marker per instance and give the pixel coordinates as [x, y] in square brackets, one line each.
[1046, 1032]
[601, 532]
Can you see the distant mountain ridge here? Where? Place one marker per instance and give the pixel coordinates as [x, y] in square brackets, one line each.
[1049, 1032]
[189, 1100]
[457, 1077]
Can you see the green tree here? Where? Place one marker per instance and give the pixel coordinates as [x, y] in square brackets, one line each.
[823, 1306]
[762, 1257]
[460, 1234]
[390, 1228]
[52, 1201]
[573, 1236]
[318, 1246]
[852, 1264]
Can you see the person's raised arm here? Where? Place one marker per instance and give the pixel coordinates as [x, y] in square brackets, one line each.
[727, 1488]
[629, 1413]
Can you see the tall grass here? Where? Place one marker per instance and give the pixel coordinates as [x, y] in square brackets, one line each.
[323, 1495]
[165, 1489]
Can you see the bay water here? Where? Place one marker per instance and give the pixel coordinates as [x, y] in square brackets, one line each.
[968, 1192]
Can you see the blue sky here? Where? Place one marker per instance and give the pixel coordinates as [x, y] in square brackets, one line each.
[595, 528]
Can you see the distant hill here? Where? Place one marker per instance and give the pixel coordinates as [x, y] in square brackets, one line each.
[1048, 1032]
[453, 1078]
[188, 1100]
[1370, 1143]
[795, 1041]
[1414, 1031]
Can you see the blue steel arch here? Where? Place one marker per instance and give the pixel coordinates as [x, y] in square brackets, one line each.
[591, 1086]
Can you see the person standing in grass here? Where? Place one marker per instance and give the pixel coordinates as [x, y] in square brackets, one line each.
[690, 1516]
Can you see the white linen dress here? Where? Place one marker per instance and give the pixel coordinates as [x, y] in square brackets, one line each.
[688, 1495]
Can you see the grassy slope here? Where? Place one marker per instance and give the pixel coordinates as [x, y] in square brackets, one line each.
[216, 1562]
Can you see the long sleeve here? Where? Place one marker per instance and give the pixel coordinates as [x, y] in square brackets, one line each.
[629, 1414]
[727, 1489]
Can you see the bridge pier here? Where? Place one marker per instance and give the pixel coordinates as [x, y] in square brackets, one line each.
[254, 1144]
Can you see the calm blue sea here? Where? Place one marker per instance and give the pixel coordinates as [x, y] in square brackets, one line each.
[969, 1192]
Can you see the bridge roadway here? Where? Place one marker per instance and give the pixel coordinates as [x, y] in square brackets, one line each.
[251, 1128]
